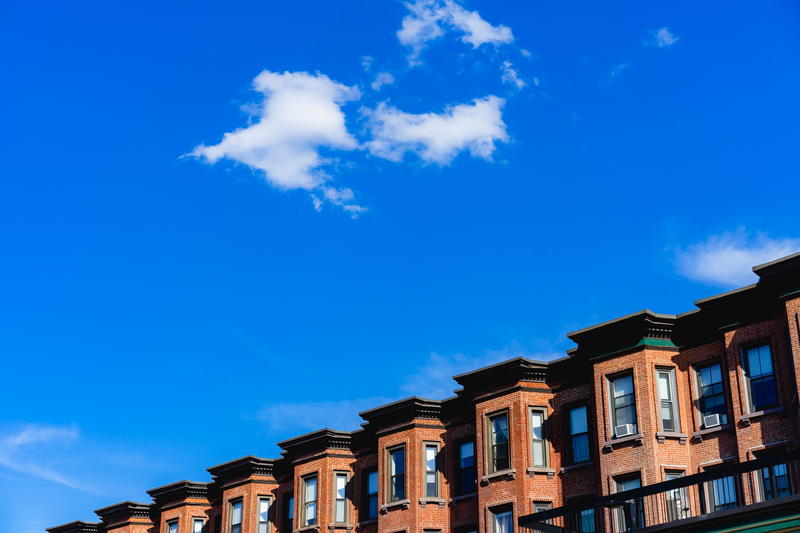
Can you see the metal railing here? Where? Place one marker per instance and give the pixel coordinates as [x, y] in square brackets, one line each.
[724, 488]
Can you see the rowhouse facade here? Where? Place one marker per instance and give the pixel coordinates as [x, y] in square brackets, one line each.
[642, 400]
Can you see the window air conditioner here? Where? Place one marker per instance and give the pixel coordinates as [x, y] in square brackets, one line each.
[711, 421]
[623, 430]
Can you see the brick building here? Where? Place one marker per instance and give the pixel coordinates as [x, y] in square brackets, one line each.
[641, 403]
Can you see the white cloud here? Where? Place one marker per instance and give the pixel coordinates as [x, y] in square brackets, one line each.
[24, 451]
[383, 78]
[428, 20]
[300, 113]
[437, 137]
[619, 69]
[727, 259]
[339, 196]
[663, 38]
[511, 76]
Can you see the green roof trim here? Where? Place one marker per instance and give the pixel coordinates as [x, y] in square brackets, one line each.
[784, 523]
[647, 341]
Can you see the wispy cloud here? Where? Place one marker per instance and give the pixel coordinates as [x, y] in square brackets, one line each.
[28, 451]
[300, 114]
[437, 137]
[429, 20]
[310, 416]
[662, 38]
[433, 379]
[727, 259]
[381, 79]
[511, 76]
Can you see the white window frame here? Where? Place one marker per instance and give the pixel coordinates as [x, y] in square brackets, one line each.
[428, 445]
[543, 442]
[339, 475]
[259, 514]
[304, 507]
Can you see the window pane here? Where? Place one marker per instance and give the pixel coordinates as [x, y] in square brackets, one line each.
[580, 448]
[172, 527]
[340, 511]
[290, 504]
[537, 424]
[577, 420]
[197, 525]
[623, 386]
[467, 454]
[398, 461]
[664, 388]
[372, 482]
[311, 489]
[236, 513]
[503, 522]
[341, 482]
[263, 510]
[500, 429]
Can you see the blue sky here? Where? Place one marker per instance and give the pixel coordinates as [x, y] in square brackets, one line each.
[406, 191]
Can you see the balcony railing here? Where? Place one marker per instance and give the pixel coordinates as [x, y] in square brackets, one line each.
[721, 491]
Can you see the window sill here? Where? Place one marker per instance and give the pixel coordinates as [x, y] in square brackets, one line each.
[533, 470]
[662, 436]
[340, 525]
[399, 504]
[464, 497]
[565, 469]
[441, 502]
[698, 435]
[744, 420]
[369, 522]
[609, 446]
[509, 473]
[315, 527]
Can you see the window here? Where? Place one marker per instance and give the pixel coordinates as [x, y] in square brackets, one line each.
[198, 525]
[722, 494]
[431, 470]
[309, 500]
[236, 516]
[502, 519]
[172, 526]
[582, 521]
[397, 474]
[498, 442]
[773, 480]
[760, 377]
[340, 497]
[369, 507]
[578, 434]
[539, 455]
[623, 483]
[623, 406]
[677, 499]
[288, 513]
[711, 396]
[263, 514]
[467, 481]
[668, 400]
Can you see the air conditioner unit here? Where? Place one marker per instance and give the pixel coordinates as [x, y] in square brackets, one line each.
[623, 430]
[711, 421]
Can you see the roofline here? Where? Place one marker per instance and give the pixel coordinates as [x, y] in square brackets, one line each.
[241, 459]
[643, 312]
[775, 262]
[324, 432]
[177, 484]
[397, 403]
[725, 294]
[519, 358]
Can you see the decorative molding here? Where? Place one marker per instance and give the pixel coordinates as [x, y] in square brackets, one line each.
[400, 504]
[508, 473]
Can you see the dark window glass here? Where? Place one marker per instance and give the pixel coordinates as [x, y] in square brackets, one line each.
[712, 393]
[775, 481]
[288, 513]
[498, 442]
[369, 510]
[761, 377]
[466, 467]
[623, 401]
[397, 474]
[578, 433]
[629, 482]
[502, 519]
[722, 494]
